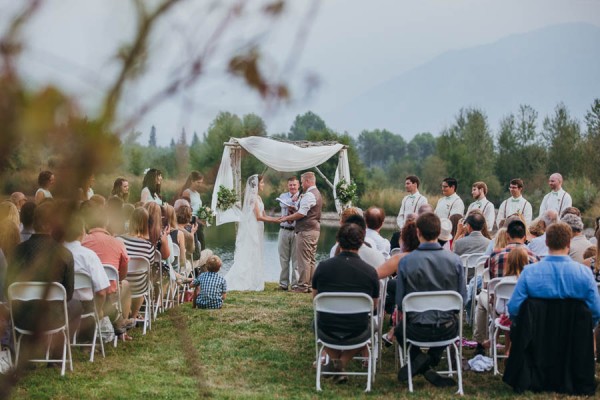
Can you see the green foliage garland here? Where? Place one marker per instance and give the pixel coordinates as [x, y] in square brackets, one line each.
[345, 192]
[225, 198]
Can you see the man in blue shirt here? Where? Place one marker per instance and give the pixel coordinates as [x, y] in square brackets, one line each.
[557, 276]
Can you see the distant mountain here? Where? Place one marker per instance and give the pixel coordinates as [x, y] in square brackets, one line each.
[541, 68]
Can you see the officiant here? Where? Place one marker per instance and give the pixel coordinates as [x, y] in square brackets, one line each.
[288, 202]
[307, 229]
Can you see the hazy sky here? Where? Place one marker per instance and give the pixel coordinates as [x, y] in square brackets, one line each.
[350, 47]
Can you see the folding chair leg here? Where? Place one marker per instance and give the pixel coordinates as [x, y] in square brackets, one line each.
[408, 363]
[449, 358]
[458, 369]
[319, 355]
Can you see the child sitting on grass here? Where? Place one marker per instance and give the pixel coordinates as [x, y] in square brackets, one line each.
[211, 287]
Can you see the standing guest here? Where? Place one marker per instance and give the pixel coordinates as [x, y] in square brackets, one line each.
[308, 229]
[481, 203]
[450, 203]
[345, 272]
[18, 199]
[557, 199]
[151, 187]
[538, 245]
[557, 276]
[429, 268]
[45, 181]
[121, 189]
[191, 191]
[27, 212]
[86, 192]
[579, 244]
[411, 202]
[515, 204]
[374, 218]
[211, 288]
[287, 238]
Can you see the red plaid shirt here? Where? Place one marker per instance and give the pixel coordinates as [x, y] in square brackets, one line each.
[498, 258]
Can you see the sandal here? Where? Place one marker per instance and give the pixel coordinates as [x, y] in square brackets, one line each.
[127, 338]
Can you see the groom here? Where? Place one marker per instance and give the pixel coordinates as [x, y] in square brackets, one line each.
[308, 228]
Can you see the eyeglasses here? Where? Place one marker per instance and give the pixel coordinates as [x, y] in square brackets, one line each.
[513, 187]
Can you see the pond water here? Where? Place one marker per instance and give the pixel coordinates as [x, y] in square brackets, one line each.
[221, 240]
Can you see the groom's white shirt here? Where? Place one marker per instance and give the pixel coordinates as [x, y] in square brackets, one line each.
[307, 201]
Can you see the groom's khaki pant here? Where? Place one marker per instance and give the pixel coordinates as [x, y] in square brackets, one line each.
[287, 253]
[306, 250]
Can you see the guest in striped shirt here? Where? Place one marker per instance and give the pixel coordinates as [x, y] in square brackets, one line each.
[137, 244]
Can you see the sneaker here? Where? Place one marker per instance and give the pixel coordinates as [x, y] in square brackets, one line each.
[300, 289]
[438, 380]
[283, 288]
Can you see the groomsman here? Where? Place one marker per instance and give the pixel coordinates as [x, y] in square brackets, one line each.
[449, 204]
[557, 199]
[516, 204]
[308, 228]
[479, 191]
[412, 202]
[287, 237]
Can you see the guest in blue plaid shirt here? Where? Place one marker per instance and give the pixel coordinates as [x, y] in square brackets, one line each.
[211, 287]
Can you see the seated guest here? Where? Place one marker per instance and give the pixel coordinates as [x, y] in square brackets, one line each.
[111, 251]
[183, 219]
[496, 266]
[87, 262]
[115, 216]
[557, 276]
[211, 288]
[45, 181]
[367, 252]
[579, 243]
[374, 218]
[547, 324]
[27, 220]
[474, 241]
[177, 236]
[18, 199]
[429, 268]
[121, 189]
[345, 272]
[137, 244]
[538, 245]
[42, 259]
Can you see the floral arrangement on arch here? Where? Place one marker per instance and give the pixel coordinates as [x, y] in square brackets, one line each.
[226, 198]
[205, 213]
[345, 192]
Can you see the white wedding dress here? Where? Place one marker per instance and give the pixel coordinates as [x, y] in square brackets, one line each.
[247, 271]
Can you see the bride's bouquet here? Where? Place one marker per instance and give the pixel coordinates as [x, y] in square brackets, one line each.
[345, 192]
[205, 213]
[226, 198]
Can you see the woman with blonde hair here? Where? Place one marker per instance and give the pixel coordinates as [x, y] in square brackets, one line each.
[9, 211]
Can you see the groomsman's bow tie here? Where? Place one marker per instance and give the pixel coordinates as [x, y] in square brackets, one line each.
[412, 196]
[555, 193]
[515, 200]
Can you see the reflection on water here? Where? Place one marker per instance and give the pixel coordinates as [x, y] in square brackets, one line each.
[221, 240]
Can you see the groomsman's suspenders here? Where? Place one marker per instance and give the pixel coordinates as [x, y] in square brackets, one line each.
[561, 202]
[522, 211]
[417, 204]
[452, 205]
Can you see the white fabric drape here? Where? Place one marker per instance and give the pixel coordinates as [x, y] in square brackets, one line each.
[225, 178]
[342, 172]
[280, 156]
[287, 157]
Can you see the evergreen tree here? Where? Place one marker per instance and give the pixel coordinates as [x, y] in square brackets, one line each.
[563, 139]
[195, 140]
[172, 144]
[152, 141]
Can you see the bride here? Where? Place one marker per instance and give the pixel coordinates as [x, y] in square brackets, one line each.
[247, 272]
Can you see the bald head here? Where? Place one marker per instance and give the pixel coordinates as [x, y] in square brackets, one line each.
[555, 181]
[550, 217]
[374, 218]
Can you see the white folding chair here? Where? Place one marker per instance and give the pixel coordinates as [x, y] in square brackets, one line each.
[380, 317]
[343, 303]
[157, 298]
[172, 294]
[41, 291]
[479, 270]
[469, 261]
[502, 292]
[439, 301]
[113, 275]
[84, 282]
[140, 283]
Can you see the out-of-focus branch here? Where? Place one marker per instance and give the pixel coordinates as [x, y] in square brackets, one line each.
[133, 56]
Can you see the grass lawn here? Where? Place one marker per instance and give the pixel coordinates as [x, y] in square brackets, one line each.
[260, 345]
